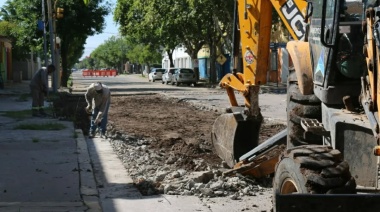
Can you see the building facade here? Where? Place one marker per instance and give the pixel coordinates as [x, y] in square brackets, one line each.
[5, 60]
[180, 58]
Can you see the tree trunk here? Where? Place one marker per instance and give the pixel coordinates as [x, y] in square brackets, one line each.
[65, 74]
[212, 64]
[170, 55]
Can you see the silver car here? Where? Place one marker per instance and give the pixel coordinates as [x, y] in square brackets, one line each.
[184, 75]
[155, 74]
[168, 75]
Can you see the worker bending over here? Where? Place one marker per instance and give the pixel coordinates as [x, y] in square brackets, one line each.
[39, 89]
[98, 98]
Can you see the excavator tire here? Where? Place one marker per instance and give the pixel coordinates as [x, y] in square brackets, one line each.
[300, 106]
[312, 169]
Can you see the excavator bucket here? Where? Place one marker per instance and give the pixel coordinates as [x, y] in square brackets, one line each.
[233, 135]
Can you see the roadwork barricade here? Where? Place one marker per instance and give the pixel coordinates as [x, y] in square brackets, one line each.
[99, 73]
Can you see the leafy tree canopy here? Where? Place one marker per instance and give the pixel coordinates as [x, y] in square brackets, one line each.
[168, 23]
[119, 50]
[79, 21]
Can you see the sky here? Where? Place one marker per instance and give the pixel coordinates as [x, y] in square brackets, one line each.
[110, 30]
[93, 42]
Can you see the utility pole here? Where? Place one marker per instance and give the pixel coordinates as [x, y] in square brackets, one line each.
[45, 44]
[52, 45]
[57, 44]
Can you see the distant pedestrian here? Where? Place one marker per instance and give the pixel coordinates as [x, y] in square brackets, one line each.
[98, 98]
[39, 89]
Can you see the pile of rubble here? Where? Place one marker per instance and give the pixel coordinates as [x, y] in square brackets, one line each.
[158, 171]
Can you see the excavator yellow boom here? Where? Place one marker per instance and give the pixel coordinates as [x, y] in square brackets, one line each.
[236, 132]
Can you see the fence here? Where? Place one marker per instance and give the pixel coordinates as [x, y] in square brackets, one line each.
[99, 73]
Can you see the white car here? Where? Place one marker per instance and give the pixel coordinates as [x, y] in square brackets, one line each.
[155, 74]
[185, 76]
[168, 75]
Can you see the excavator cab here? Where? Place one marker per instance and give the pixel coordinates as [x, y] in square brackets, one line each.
[350, 60]
[336, 43]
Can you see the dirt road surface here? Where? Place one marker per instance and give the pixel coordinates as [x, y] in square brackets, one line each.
[173, 125]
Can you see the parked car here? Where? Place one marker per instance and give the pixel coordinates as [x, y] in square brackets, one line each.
[184, 75]
[168, 75]
[155, 74]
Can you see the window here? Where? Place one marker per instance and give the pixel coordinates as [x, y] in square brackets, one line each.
[186, 71]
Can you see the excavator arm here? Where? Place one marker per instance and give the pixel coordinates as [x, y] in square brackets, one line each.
[255, 25]
[236, 132]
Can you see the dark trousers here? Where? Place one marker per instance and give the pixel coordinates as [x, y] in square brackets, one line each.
[38, 99]
[103, 124]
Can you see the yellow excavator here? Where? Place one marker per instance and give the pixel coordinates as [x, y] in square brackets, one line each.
[328, 157]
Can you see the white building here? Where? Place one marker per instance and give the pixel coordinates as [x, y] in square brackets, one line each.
[180, 58]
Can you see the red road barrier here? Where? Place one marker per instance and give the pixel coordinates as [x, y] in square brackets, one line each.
[112, 73]
[101, 73]
[87, 73]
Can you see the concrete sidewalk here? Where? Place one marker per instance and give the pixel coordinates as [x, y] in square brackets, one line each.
[41, 170]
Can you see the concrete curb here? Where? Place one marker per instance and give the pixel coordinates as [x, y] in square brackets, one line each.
[88, 187]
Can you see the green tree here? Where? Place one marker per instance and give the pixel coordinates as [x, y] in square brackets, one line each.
[87, 63]
[115, 52]
[19, 22]
[148, 23]
[144, 54]
[169, 23]
[112, 52]
[212, 21]
[79, 22]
